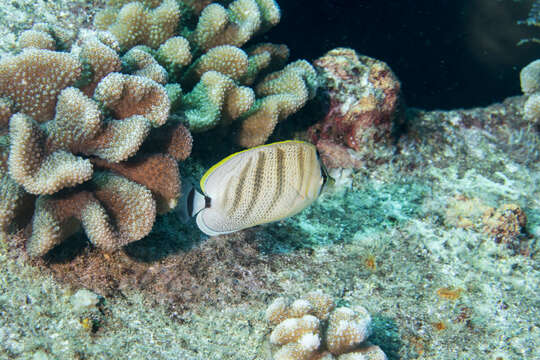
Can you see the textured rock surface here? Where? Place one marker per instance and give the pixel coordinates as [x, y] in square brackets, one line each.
[364, 96]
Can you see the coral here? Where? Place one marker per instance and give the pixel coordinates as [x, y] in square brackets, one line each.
[11, 193]
[5, 113]
[105, 18]
[300, 325]
[530, 78]
[533, 19]
[40, 163]
[128, 95]
[506, 223]
[116, 213]
[71, 115]
[322, 304]
[57, 132]
[47, 37]
[530, 85]
[531, 108]
[364, 102]
[264, 56]
[156, 172]
[205, 106]
[174, 54]
[36, 39]
[210, 65]
[347, 328]
[174, 140]
[283, 93]
[235, 25]
[367, 352]
[227, 60]
[100, 59]
[137, 24]
[302, 348]
[277, 311]
[144, 64]
[293, 329]
[33, 79]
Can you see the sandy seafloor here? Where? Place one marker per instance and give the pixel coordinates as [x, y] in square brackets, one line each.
[420, 227]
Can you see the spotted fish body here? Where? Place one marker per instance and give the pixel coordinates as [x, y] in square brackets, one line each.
[259, 185]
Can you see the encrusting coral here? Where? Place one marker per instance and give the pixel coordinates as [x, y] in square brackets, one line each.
[312, 328]
[80, 116]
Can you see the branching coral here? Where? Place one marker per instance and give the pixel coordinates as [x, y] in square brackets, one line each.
[76, 153]
[137, 24]
[208, 62]
[33, 80]
[117, 212]
[283, 93]
[80, 117]
[311, 328]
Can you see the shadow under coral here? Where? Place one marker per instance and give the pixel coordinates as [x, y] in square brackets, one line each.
[176, 269]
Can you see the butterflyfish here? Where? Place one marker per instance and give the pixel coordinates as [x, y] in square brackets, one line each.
[256, 186]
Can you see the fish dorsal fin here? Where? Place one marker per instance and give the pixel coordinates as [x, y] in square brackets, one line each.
[238, 156]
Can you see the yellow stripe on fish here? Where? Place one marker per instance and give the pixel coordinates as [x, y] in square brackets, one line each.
[259, 185]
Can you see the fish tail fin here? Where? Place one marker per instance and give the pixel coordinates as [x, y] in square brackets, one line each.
[191, 202]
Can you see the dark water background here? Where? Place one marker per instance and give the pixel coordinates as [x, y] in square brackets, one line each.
[447, 53]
